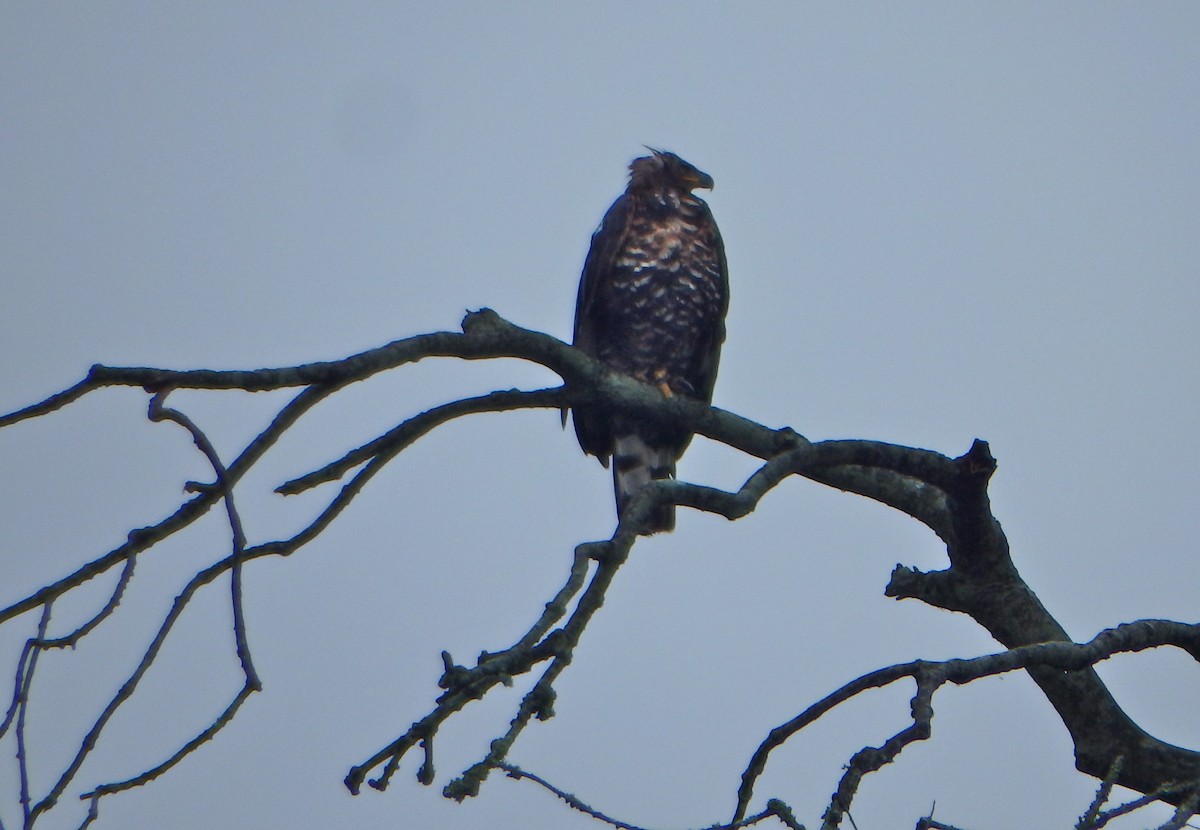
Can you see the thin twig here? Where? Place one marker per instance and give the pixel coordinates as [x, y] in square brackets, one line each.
[1183, 812]
[141, 539]
[1088, 821]
[207, 734]
[518, 774]
[1138, 803]
[406, 433]
[71, 639]
[26, 684]
[127, 688]
[464, 685]
[159, 412]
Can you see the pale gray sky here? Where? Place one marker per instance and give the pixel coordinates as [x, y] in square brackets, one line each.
[943, 221]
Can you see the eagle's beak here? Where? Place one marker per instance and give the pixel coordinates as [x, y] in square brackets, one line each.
[702, 180]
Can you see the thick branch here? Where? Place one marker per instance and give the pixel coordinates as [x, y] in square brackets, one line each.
[983, 582]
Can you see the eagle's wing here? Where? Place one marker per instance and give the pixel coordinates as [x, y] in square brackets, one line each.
[606, 243]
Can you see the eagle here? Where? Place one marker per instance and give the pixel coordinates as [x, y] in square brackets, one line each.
[651, 305]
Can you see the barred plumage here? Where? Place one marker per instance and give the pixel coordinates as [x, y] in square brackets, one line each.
[652, 303]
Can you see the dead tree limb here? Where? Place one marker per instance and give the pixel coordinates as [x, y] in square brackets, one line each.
[948, 495]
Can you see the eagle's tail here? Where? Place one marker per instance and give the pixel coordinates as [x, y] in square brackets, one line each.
[634, 464]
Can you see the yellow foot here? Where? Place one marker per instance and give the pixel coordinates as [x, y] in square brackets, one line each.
[664, 385]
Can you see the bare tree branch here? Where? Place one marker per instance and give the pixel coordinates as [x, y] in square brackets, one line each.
[159, 411]
[775, 808]
[948, 495]
[223, 487]
[930, 676]
[1090, 820]
[404, 435]
[22, 706]
[142, 539]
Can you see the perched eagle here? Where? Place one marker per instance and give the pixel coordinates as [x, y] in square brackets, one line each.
[652, 303]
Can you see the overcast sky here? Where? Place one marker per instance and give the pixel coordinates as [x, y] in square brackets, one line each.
[943, 221]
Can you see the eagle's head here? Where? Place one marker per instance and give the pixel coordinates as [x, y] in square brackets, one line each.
[666, 171]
